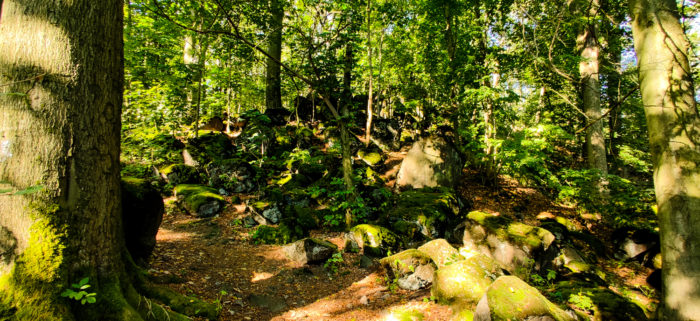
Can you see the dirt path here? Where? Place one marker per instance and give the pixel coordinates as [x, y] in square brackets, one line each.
[214, 260]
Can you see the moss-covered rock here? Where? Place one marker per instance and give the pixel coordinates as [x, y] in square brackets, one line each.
[373, 240]
[431, 162]
[283, 234]
[199, 200]
[604, 303]
[513, 244]
[465, 281]
[423, 214]
[441, 252]
[176, 174]
[370, 157]
[411, 269]
[142, 213]
[234, 175]
[209, 147]
[510, 298]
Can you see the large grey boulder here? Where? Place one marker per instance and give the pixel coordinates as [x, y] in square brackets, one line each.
[430, 162]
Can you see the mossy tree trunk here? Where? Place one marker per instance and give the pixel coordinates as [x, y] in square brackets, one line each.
[344, 124]
[61, 79]
[674, 137]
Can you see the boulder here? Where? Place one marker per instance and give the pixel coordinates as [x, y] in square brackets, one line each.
[233, 175]
[142, 213]
[310, 250]
[424, 214]
[272, 214]
[370, 157]
[176, 174]
[604, 303]
[510, 298]
[214, 123]
[277, 116]
[285, 233]
[207, 148]
[198, 200]
[430, 162]
[386, 133]
[441, 252]
[465, 281]
[514, 245]
[373, 240]
[411, 269]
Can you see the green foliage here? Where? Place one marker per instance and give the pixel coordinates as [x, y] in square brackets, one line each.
[78, 292]
[582, 300]
[333, 263]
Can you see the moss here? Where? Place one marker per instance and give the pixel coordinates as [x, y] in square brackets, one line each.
[463, 315]
[375, 240]
[608, 304]
[441, 252]
[510, 298]
[465, 281]
[405, 262]
[180, 173]
[182, 304]
[277, 235]
[521, 234]
[372, 158]
[196, 195]
[434, 209]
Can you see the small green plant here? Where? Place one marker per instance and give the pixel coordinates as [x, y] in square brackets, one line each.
[77, 292]
[218, 301]
[582, 300]
[333, 263]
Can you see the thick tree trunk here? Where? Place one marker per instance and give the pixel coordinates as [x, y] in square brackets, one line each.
[589, 72]
[674, 136]
[273, 89]
[61, 79]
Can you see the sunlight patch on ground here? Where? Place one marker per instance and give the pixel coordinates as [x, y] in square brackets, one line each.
[166, 235]
[260, 276]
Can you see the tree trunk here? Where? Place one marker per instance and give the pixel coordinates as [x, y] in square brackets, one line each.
[370, 99]
[345, 131]
[589, 72]
[273, 89]
[674, 137]
[61, 79]
[614, 71]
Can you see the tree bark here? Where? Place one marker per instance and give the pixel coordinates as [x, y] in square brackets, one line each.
[345, 131]
[370, 99]
[273, 89]
[674, 137]
[589, 72]
[61, 82]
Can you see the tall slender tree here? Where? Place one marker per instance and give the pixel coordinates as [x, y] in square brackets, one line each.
[674, 137]
[273, 89]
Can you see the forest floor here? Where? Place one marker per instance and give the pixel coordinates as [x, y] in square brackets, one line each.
[214, 259]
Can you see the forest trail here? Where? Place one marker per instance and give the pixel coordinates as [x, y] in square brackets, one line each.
[214, 259]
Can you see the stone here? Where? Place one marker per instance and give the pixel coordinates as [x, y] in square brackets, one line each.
[441, 252]
[142, 213]
[233, 175]
[199, 200]
[608, 305]
[176, 174]
[373, 240]
[273, 214]
[510, 298]
[208, 147]
[430, 162]
[250, 221]
[277, 116]
[412, 269]
[214, 123]
[370, 157]
[423, 214]
[366, 262]
[310, 251]
[513, 245]
[465, 281]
